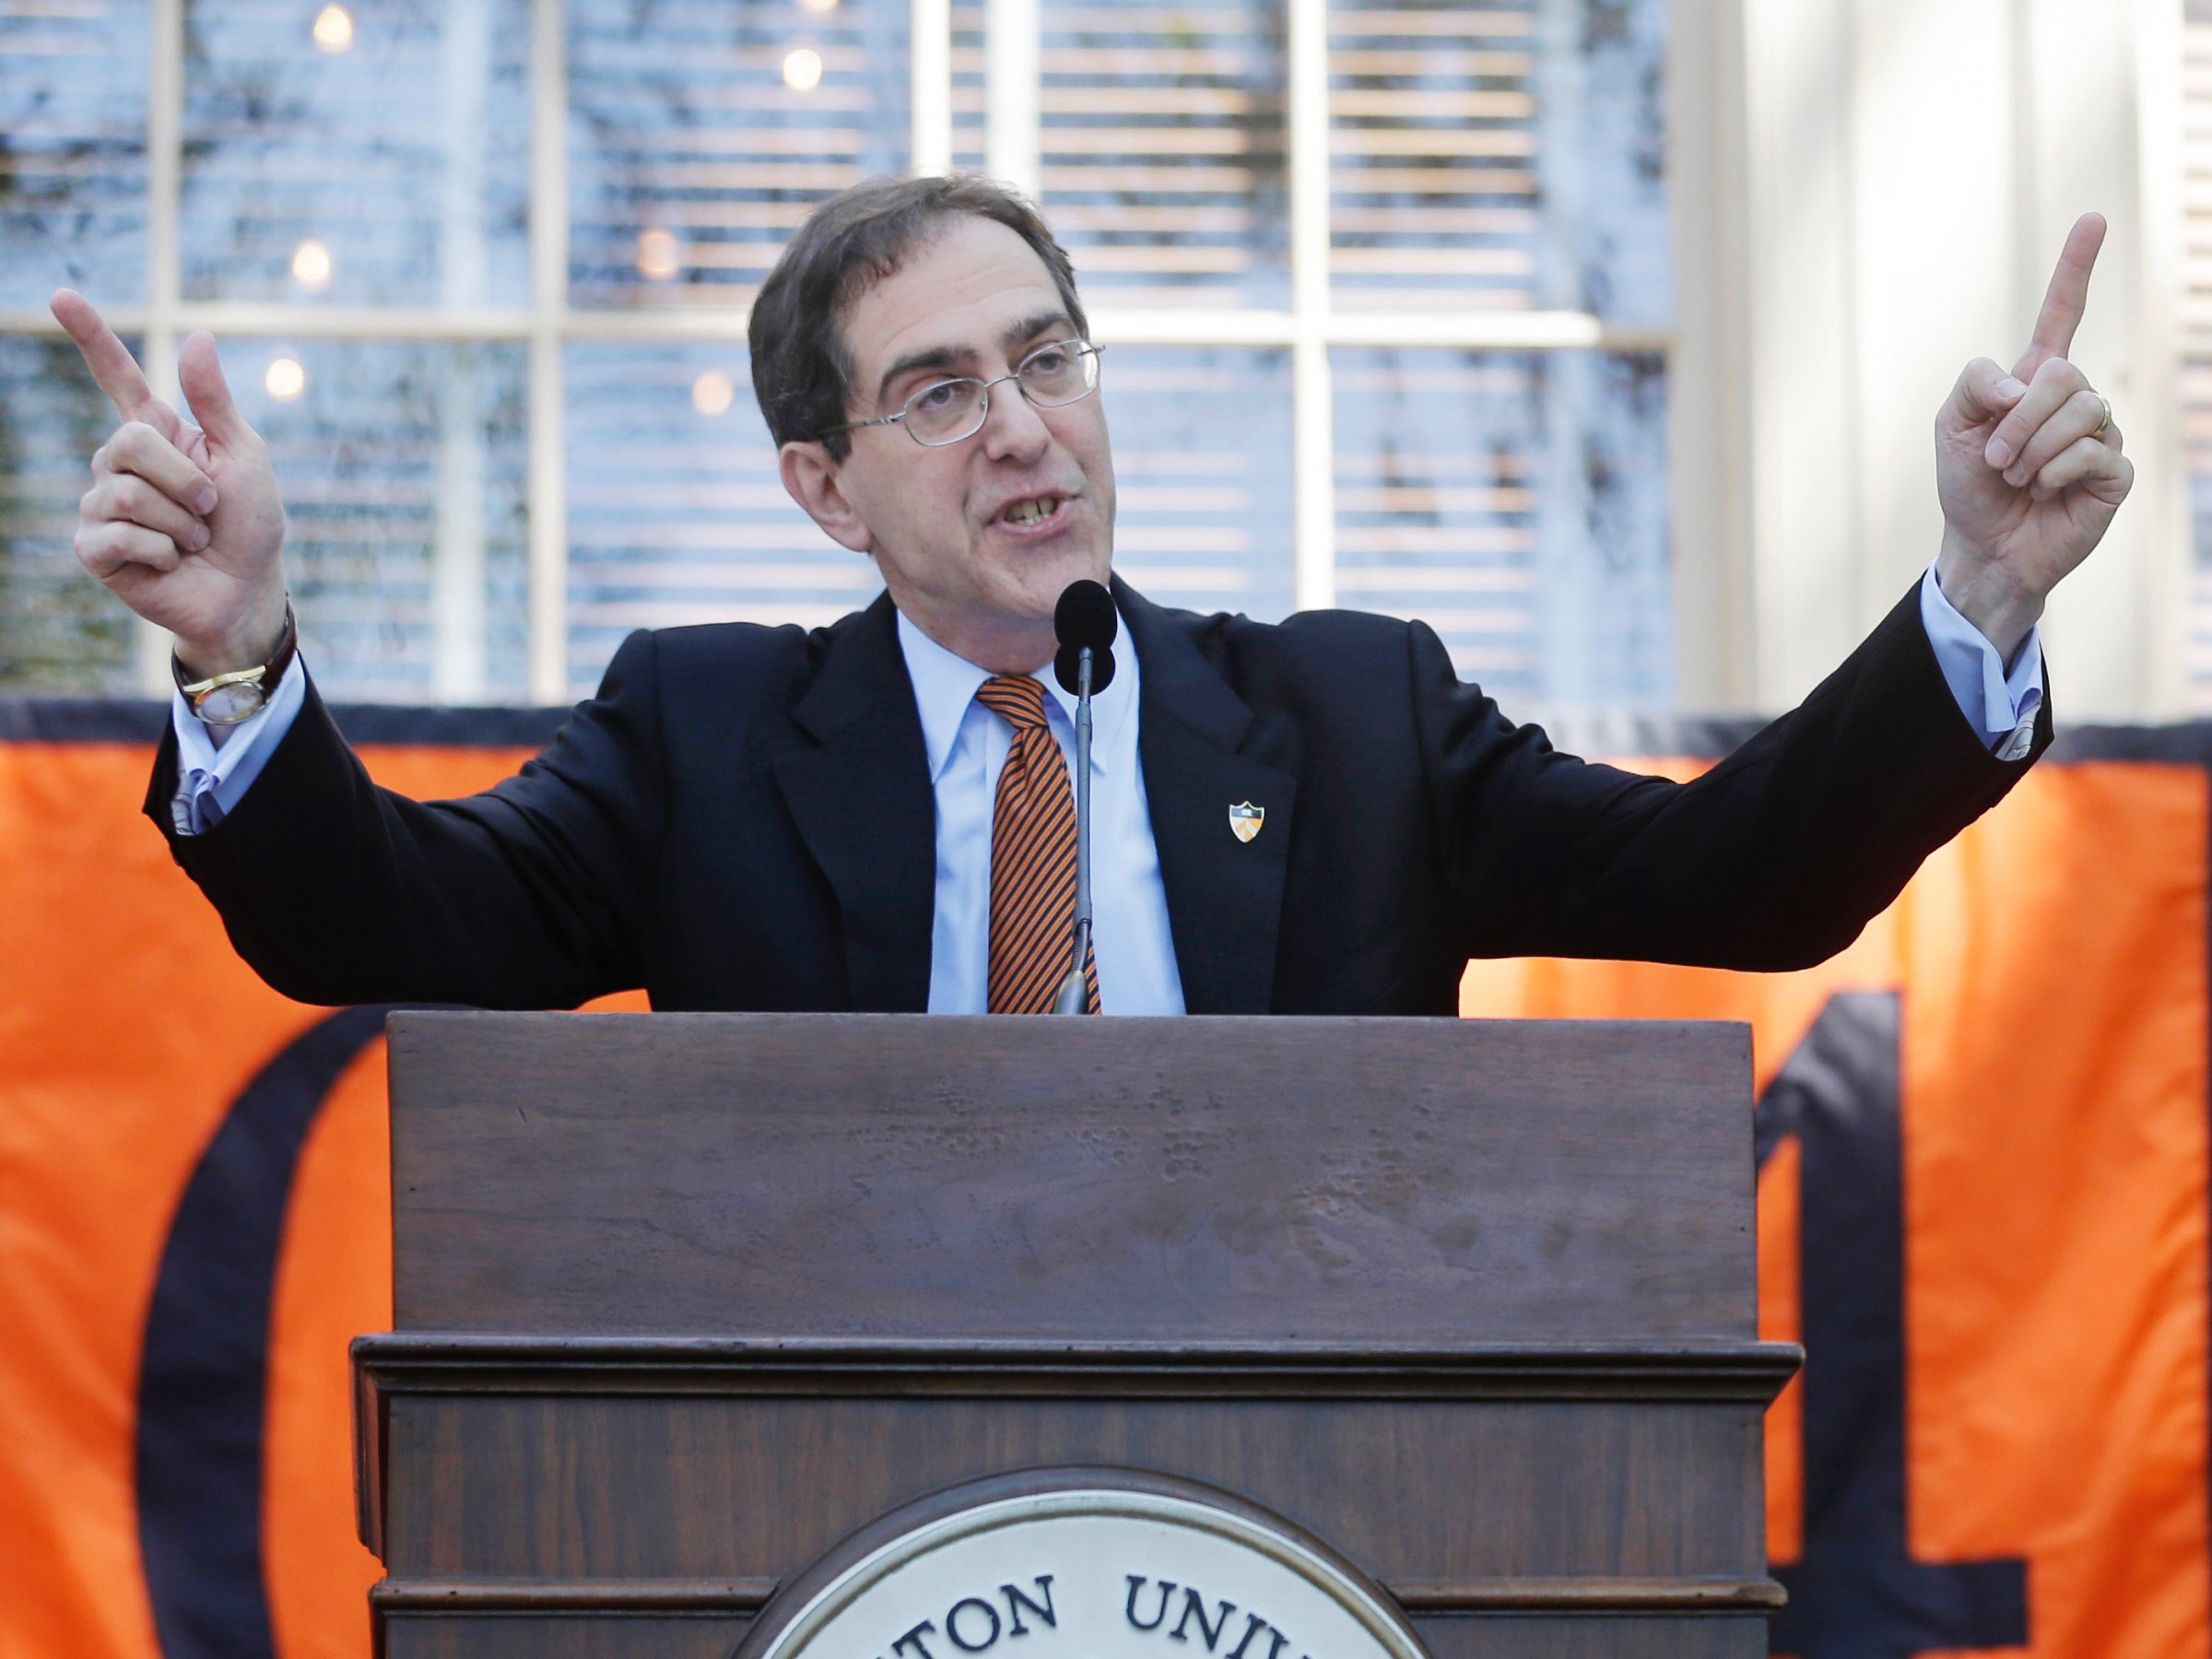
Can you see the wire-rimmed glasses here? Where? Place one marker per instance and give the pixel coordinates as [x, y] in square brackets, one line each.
[948, 411]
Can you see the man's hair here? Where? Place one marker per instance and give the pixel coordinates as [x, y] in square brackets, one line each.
[802, 373]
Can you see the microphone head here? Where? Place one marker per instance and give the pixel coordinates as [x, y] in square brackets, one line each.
[1084, 617]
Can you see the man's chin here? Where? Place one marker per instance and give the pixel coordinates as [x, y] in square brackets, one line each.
[1044, 571]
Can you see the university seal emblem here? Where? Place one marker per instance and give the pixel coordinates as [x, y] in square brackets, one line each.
[1081, 1564]
[1244, 819]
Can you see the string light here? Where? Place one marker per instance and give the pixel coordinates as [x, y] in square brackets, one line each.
[803, 69]
[311, 265]
[286, 379]
[334, 30]
[711, 392]
[659, 255]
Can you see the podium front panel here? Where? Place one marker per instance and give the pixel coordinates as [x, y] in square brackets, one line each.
[1390, 1181]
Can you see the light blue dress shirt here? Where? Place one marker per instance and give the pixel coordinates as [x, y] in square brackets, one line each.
[1999, 702]
[967, 745]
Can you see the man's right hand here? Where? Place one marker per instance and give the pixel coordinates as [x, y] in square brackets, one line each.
[183, 522]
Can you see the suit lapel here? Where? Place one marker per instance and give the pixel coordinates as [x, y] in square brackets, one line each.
[1203, 754]
[860, 793]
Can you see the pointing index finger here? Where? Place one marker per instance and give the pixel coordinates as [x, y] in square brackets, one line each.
[114, 368]
[2068, 297]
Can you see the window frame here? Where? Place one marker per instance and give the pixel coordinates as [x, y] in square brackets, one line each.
[1311, 325]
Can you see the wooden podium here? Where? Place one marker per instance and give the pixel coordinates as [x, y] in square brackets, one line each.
[681, 1300]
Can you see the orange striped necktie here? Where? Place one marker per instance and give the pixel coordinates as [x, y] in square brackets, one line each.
[1032, 859]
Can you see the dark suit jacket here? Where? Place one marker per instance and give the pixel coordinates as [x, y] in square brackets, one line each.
[743, 819]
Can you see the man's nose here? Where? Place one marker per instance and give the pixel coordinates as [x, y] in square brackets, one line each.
[1013, 428]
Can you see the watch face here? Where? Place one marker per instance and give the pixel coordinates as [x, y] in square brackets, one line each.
[226, 705]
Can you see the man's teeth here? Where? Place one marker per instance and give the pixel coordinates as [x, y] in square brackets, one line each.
[1030, 512]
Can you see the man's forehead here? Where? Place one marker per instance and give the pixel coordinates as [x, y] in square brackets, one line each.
[961, 291]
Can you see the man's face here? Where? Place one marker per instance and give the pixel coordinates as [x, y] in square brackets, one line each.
[955, 529]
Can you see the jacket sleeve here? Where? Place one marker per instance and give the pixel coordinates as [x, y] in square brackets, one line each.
[1776, 858]
[535, 894]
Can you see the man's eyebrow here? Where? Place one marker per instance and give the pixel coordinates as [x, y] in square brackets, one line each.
[1030, 328]
[936, 357]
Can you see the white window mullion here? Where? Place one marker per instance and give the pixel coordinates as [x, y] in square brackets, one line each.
[1709, 505]
[549, 316]
[929, 28]
[1313, 441]
[458, 647]
[1012, 66]
[164, 180]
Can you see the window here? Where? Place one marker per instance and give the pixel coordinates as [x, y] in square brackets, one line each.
[1385, 287]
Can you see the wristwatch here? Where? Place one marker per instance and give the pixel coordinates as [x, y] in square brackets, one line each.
[226, 699]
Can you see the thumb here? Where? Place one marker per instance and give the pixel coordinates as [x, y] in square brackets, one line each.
[1984, 393]
[200, 373]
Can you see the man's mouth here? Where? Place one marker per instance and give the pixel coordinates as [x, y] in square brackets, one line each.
[1035, 510]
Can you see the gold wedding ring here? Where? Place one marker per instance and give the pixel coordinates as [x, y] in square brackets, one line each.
[2107, 421]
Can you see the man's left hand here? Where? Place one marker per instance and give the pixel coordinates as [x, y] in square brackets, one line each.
[2028, 465]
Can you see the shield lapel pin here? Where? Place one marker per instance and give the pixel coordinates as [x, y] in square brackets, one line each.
[1244, 819]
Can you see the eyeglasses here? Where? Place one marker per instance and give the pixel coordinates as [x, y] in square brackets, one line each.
[948, 411]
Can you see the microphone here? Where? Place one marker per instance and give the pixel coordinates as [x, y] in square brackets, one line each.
[1085, 624]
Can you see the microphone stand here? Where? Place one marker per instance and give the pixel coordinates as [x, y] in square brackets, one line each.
[1075, 990]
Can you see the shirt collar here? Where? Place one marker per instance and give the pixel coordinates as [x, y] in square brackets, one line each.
[945, 687]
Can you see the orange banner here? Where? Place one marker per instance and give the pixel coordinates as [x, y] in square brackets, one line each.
[1984, 1210]
[2001, 1448]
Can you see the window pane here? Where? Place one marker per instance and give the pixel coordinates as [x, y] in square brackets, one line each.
[1163, 149]
[1202, 469]
[1517, 503]
[73, 85]
[677, 513]
[377, 154]
[59, 631]
[403, 470]
[700, 132]
[1508, 155]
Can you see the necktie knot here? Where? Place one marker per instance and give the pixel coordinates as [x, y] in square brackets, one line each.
[1016, 698]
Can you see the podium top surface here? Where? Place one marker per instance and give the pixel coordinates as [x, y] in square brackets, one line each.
[1409, 1183]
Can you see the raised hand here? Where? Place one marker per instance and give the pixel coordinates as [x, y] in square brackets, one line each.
[182, 522]
[2027, 464]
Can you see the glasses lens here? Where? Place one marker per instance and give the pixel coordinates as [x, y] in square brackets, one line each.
[945, 412]
[1059, 374]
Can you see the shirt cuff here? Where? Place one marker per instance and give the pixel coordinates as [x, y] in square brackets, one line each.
[1999, 703]
[210, 781]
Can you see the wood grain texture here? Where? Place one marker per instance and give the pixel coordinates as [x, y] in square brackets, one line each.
[696, 1488]
[1395, 1183]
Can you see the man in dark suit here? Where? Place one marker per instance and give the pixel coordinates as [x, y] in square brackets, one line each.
[1310, 817]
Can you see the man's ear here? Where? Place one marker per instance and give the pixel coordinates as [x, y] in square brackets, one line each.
[811, 474]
